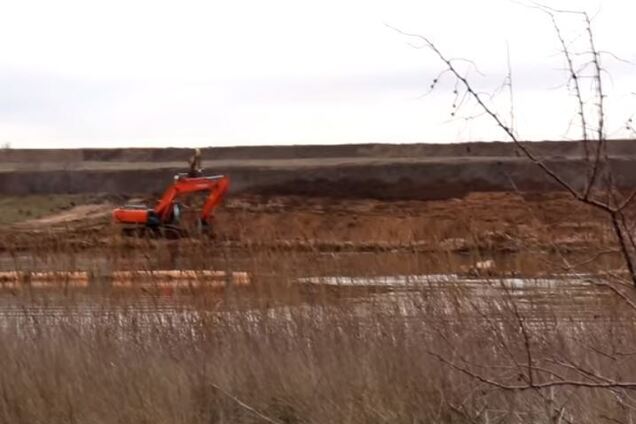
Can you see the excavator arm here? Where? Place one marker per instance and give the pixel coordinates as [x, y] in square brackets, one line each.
[217, 186]
[214, 198]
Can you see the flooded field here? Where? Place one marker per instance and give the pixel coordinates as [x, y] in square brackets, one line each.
[154, 297]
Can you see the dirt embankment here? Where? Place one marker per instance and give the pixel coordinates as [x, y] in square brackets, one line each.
[569, 149]
[388, 172]
[480, 225]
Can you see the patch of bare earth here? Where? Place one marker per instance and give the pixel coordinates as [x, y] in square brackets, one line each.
[74, 215]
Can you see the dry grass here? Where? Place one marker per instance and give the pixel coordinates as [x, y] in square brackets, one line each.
[286, 353]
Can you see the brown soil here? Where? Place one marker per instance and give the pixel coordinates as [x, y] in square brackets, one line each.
[77, 214]
[335, 198]
[491, 221]
[504, 222]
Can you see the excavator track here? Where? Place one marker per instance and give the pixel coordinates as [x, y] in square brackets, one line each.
[170, 232]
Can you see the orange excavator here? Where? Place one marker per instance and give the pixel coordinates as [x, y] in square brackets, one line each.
[164, 219]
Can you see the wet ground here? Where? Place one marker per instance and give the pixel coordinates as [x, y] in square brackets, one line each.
[544, 251]
[566, 298]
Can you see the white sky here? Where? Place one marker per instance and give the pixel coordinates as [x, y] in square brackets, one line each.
[197, 73]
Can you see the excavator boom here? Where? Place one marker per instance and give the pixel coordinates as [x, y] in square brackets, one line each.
[216, 185]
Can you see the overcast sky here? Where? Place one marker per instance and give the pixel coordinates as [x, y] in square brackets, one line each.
[197, 73]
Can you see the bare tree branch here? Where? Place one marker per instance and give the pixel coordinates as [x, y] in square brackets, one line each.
[610, 384]
[575, 81]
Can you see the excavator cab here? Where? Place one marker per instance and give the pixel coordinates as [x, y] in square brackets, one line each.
[176, 213]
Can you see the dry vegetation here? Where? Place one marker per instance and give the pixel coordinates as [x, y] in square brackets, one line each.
[289, 352]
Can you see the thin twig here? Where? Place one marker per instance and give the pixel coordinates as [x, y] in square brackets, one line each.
[575, 80]
[245, 405]
[510, 90]
[523, 387]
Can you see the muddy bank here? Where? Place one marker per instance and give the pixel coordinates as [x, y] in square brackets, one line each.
[386, 180]
[478, 223]
[568, 149]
